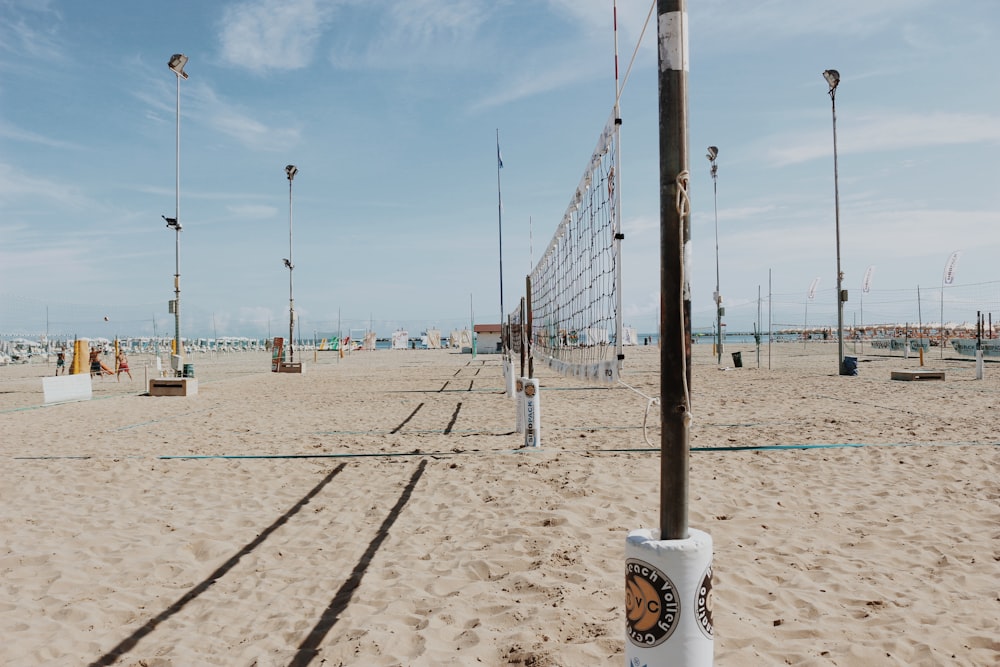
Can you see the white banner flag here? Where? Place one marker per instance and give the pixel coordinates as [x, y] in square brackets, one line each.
[866, 285]
[949, 267]
[812, 288]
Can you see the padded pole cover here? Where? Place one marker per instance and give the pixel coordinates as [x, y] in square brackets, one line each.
[668, 599]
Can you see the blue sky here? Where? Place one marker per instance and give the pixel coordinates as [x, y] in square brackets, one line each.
[390, 110]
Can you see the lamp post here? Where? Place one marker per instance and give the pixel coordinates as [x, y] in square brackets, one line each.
[176, 65]
[290, 171]
[713, 152]
[832, 77]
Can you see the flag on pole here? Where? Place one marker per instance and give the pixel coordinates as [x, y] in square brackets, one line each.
[812, 288]
[949, 267]
[866, 285]
[499, 157]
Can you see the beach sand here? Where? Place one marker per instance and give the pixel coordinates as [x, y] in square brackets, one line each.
[379, 511]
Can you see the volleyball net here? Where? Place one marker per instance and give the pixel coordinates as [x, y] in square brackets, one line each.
[573, 307]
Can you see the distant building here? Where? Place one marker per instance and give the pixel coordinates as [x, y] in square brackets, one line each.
[488, 338]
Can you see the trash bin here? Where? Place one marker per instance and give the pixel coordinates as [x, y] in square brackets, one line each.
[189, 370]
[738, 359]
[850, 366]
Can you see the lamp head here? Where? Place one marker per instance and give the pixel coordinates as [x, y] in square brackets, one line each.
[177, 62]
[832, 77]
[172, 223]
[288, 264]
[713, 152]
[291, 170]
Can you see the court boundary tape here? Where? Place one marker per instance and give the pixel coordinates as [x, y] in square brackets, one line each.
[522, 450]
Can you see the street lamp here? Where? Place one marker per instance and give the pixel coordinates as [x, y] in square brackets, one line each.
[832, 77]
[176, 65]
[290, 171]
[713, 152]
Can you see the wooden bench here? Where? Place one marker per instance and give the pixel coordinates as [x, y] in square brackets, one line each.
[917, 375]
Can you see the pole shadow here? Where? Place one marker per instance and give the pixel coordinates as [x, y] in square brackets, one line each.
[309, 648]
[130, 642]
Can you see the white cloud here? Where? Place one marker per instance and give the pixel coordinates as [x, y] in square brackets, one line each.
[273, 34]
[201, 104]
[419, 33]
[427, 20]
[529, 83]
[11, 132]
[16, 185]
[886, 131]
[250, 131]
[31, 28]
[778, 19]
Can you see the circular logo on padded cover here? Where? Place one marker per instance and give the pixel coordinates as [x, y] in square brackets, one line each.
[703, 604]
[651, 605]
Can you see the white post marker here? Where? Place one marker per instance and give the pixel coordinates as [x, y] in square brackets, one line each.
[668, 599]
[519, 405]
[508, 377]
[979, 364]
[532, 413]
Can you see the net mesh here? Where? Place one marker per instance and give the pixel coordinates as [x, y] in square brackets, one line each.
[575, 312]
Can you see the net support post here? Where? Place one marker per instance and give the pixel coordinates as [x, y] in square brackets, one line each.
[668, 571]
[519, 405]
[532, 413]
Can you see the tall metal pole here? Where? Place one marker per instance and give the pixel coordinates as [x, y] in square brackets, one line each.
[615, 181]
[290, 171]
[500, 227]
[713, 152]
[177, 230]
[770, 313]
[675, 292]
[176, 64]
[832, 77]
[941, 328]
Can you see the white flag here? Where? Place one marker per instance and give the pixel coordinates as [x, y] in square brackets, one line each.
[949, 267]
[866, 285]
[812, 288]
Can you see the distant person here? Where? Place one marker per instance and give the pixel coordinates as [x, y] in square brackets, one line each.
[61, 362]
[95, 362]
[122, 363]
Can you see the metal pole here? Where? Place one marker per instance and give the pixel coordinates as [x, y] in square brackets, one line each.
[675, 293]
[177, 230]
[500, 225]
[291, 267]
[521, 327]
[941, 330]
[770, 304]
[529, 327]
[713, 152]
[616, 202]
[833, 78]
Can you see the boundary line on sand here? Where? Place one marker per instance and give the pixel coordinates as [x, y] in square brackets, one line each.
[523, 450]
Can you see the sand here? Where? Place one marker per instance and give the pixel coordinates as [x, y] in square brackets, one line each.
[380, 512]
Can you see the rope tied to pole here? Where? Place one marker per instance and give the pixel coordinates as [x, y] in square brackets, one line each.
[650, 402]
[682, 200]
